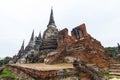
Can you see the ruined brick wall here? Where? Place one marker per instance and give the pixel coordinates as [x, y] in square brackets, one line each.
[83, 72]
[24, 73]
[79, 32]
[20, 73]
[80, 45]
[62, 35]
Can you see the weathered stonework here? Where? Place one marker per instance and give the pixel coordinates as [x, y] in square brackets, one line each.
[38, 47]
[80, 71]
[23, 73]
[62, 34]
[80, 45]
[79, 32]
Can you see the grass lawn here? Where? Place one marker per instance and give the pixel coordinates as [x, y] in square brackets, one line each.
[7, 73]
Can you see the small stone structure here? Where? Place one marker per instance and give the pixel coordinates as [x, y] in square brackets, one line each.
[118, 48]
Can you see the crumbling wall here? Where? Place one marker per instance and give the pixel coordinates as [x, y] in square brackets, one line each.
[80, 71]
[80, 45]
[62, 35]
[79, 32]
[24, 73]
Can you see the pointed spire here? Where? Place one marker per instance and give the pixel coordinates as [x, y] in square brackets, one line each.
[39, 35]
[31, 42]
[32, 36]
[51, 20]
[22, 48]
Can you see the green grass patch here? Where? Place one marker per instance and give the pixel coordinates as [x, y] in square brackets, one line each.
[106, 74]
[7, 73]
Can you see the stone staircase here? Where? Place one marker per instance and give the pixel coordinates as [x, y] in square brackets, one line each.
[114, 71]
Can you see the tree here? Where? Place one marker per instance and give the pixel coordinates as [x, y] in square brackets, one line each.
[112, 50]
[5, 60]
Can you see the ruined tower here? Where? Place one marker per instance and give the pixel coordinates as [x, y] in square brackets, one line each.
[31, 43]
[51, 20]
[50, 34]
[38, 41]
[21, 51]
[28, 50]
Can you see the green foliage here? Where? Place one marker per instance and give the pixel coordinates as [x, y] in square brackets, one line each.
[5, 60]
[76, 74]
[112, 50]
[106, 74]
[7, 73]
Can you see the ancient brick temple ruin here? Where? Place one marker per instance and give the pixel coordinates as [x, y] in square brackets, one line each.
[58, 46]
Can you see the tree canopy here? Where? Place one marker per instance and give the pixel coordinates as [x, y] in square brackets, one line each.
[5, 60]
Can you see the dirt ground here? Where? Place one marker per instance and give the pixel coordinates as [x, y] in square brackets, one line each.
[46, 67]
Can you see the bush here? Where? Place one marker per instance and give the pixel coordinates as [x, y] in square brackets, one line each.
[112, 50]
[5, 60]
[6, 74]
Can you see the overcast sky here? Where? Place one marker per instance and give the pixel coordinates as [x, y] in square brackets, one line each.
[19, 17]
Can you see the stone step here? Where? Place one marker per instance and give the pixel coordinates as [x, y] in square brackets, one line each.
[114, 67]
[115, 64]
[114, 73]
[113, 76]
[114, 70]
